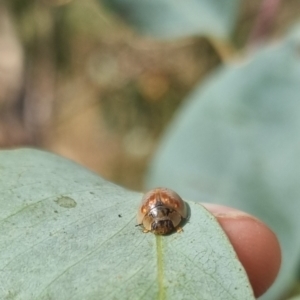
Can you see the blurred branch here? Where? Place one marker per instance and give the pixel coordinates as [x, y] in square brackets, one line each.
[12, 132]
[40, 76]
[264, 22]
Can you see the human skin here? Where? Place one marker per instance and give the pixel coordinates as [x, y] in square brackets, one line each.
[255, 244]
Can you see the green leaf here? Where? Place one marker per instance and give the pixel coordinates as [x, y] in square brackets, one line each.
[295, 298]
[236, 141]
[169, 18]
[66, 233]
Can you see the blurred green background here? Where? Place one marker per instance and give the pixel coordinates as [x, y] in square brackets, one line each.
[77, 80]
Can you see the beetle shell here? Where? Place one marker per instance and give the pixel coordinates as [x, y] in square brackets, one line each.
[161, 211]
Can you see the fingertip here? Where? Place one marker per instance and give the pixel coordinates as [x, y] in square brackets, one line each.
[256, 245]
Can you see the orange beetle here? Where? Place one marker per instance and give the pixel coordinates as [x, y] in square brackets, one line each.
[161, 211]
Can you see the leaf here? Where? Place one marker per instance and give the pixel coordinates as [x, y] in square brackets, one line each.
[66, 233]
[236, 142]
[295, 298]
[173, 19]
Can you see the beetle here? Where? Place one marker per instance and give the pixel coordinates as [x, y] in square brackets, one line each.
[161, 211]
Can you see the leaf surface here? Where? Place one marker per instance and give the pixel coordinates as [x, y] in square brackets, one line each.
[66, 233]
[172, 19]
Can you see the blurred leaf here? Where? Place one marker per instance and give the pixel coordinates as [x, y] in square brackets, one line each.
[172, 19]
[237, 142]
[65, 233]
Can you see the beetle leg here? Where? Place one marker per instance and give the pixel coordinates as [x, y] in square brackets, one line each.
[179, 229]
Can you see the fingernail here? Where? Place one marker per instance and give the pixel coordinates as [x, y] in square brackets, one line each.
[222, 211]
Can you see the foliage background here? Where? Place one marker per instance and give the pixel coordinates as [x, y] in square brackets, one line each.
[75, 79]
